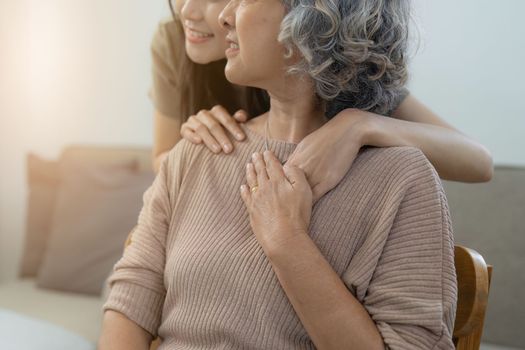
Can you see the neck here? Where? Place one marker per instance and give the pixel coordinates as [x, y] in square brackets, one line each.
[294, 112]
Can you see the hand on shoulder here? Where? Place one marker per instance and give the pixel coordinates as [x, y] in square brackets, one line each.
[211, 126]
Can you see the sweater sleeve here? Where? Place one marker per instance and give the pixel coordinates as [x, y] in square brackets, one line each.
[405, 276]
[164, 91]
[137, 281]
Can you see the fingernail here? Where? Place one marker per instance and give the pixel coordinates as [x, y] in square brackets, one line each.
[227, 147]
[216, 148]
[254, 156]
[239, 136]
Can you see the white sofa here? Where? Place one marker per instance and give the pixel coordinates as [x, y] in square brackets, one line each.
[78, 316]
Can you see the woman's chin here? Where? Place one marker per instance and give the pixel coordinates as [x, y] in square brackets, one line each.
[233, 79]
[201, 56]
[239, 74]
[233, 74]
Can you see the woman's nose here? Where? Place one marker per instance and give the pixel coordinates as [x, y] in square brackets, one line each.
[227, 15]
[190, 10]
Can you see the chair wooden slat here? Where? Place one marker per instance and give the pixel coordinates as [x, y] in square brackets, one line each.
[474, 277]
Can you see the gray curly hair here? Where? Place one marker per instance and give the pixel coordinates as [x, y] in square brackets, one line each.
[354, 50]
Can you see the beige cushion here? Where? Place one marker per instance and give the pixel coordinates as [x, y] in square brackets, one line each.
[97, 206]
[141, 156]
[43, 180]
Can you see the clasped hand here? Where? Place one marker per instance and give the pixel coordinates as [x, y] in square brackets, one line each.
[280, 204]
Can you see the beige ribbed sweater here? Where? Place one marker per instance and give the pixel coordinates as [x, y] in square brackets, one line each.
[195, 274]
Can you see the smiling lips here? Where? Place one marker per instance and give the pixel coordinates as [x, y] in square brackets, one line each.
[196, 36]
[233, 46]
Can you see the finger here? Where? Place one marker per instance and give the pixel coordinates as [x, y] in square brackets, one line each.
[246, 195]
[251, 176]
[191, 126]
[241, 116]
[294, 175]
[273, 166]
[292, 159]
[229, 122]
[203, 132]
[215, 129]
[260, 168]
[189, 135]
[317, 193]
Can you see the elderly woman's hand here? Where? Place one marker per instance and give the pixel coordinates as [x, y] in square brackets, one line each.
[278, 199]
[327, 154]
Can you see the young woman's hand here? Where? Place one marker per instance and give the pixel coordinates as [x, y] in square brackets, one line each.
[327, 154]
[278, 199]
[210, 126]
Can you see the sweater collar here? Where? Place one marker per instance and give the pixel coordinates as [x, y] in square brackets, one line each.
[282, 149]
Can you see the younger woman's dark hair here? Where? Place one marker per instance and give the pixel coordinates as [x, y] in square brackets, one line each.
[203, 86]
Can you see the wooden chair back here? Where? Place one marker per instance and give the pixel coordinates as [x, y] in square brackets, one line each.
[474, 277]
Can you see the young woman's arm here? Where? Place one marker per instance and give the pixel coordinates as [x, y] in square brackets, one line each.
[120, 333]
[166, 135]
[327, 154]
[455, 156]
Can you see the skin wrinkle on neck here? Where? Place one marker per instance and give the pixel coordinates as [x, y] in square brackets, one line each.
[293, 112]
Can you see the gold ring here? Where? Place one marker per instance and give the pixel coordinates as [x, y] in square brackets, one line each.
[254, 188]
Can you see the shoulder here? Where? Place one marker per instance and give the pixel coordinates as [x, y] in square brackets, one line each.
[400, 96]
[399, 160]
[168, 31]
[185, 154]
[166, 41]
[394, 172]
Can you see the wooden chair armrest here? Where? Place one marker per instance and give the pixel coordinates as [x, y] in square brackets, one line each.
[473, 290]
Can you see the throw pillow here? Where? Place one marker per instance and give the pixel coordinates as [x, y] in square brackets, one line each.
[42, 180]
[97, 206]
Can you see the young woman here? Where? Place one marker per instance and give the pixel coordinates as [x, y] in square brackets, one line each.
[193, 99]
[218, 264]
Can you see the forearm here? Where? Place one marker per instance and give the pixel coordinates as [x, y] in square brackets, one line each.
[332, 316]
[165, 137]
[119, 332]
[454, 156]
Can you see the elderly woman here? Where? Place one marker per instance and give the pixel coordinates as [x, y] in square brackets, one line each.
[229, 251]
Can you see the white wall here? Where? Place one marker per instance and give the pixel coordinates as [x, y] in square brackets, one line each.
[78, 72]
[470, 70]
[70, 72]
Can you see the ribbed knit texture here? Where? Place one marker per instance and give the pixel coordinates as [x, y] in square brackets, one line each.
[195, 274]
